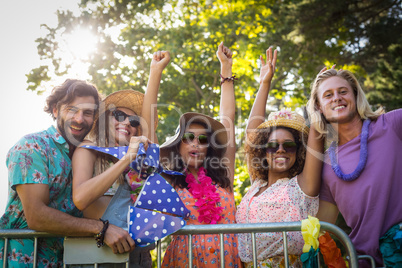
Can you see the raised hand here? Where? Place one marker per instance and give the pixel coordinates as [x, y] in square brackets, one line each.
[268, 68]
[224, 55]
[257, 114]
[227, 107]
[160, 60]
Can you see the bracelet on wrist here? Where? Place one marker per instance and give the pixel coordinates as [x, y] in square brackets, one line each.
[228, 79]
[100, 237]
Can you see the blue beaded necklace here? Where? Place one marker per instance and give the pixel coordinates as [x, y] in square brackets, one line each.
[363, 156]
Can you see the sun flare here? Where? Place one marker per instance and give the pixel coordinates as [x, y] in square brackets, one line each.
[81, 43]
[74, 51]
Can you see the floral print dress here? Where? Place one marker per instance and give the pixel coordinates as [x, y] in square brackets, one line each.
[206, 248]
[283, 201]
[40, 158]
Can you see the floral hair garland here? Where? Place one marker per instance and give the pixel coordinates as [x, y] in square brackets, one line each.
[207, 197]
[285, 113]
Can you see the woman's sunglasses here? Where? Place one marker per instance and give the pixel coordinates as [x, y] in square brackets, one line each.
[121, 116]
[289, 147]
[189, 137]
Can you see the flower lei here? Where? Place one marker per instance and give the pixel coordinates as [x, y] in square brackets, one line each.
[135, 182]
[363, 156]
[207, 197]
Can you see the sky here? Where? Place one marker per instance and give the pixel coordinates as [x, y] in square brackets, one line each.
[21, 111]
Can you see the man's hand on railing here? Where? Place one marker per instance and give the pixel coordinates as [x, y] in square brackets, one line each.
[118, 239]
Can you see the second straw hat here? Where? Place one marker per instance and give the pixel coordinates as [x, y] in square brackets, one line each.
[286, 118]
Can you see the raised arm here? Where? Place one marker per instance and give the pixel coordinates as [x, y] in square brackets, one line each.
[227, 105]
[160, 60]
[87, 188]
[310, 178]
[257, 114]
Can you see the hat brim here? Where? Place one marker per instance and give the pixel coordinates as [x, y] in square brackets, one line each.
[130, 99]
[282, 122]
[218, 133]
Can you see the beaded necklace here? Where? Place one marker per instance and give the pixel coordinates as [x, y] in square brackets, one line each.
[363, 156]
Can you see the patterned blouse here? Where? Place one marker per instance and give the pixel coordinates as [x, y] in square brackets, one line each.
[39, 158]
[284, 201]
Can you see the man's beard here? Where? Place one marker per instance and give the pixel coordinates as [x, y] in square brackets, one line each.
[64, 128]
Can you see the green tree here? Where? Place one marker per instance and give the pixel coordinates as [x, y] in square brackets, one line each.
[363, 36]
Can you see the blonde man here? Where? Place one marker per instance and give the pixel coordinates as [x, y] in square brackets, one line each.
[361, 173]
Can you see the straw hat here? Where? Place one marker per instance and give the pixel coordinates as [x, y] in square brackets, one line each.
[218, 138]
[286, 118]
[128, 98]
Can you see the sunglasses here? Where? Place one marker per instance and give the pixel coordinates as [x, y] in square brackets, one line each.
[189, 137]
[289, 147]
[121, 116]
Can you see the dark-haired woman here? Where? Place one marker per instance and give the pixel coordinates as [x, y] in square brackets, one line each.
[285, 180]
[204, 150]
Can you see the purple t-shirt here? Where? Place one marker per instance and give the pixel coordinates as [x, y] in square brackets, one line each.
[372, 203]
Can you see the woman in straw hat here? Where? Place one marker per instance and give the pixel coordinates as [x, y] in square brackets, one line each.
[101, 185]
[204, 150]
[285, 181]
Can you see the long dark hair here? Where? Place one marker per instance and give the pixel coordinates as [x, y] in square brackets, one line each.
[213, 164]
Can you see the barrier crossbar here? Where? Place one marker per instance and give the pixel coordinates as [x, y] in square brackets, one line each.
[254, 228]
[220, 229]
[22, 233]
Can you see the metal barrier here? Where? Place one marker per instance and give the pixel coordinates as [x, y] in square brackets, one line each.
[22, 233]
[254, 228]
[220, 229]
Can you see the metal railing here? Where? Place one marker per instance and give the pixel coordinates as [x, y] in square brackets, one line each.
[7, 234]
[254, 228]
[219, 229]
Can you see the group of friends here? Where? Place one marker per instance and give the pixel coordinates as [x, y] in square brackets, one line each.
[56, 185]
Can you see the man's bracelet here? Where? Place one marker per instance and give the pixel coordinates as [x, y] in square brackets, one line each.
[224, 79]
[100, 237]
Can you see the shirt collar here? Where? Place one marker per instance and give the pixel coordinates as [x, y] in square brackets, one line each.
[56, 136]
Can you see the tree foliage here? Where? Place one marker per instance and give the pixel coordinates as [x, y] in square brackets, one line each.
[363, 36]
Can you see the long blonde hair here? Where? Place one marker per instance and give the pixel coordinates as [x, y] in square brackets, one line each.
[101, 135]
[363, 107]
